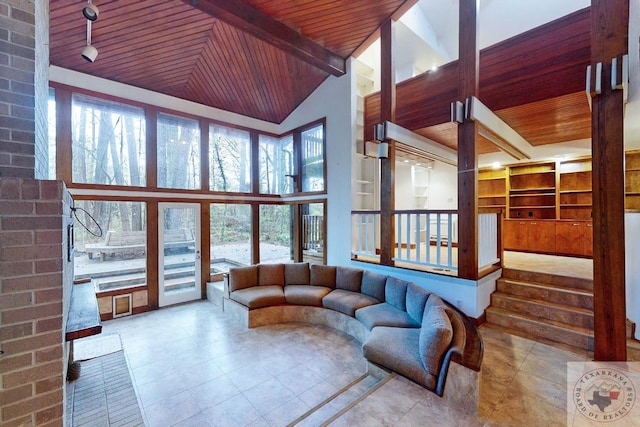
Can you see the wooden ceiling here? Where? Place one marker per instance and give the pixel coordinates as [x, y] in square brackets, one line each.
[259, 58]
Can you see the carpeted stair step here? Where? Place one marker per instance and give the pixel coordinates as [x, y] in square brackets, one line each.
[544, 309]
[546, 292]
[535, 327]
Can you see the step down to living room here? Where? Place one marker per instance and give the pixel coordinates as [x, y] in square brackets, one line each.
[342, 401]
[542, 305]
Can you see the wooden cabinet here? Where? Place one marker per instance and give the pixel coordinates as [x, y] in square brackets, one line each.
[575, 189]
[530, 235]
[492, 188]
[632, 180]
[574, 238]
[532, 191]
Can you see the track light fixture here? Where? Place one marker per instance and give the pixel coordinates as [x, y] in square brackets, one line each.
[90, 11]
[89, 52]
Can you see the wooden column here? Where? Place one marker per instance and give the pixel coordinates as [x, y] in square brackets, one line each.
[467, 136]
[387, 166]
[609, 29]
[63, 135]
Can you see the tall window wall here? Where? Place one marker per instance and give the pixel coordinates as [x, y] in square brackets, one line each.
[178, 153]
[229, 159]
[312, 158]
[276, 165]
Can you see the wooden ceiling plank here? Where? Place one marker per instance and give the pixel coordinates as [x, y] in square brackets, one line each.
[262, 26]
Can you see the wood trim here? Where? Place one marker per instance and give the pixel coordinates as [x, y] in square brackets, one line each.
[255, 233]
[121, 291]
[609, 29]
[63, 135]
[467, 140]
[152, 256]
[205, 246]
[151, 128]
[205, 168]
[255, 162]
[252, 21]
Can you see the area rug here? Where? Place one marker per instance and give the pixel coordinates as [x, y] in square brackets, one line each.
[96, 346]
[103, 395]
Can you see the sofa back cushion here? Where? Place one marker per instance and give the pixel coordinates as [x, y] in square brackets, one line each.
[416, 300]
[436, 334]
[243, 277]
[270, 274]
[296, 273]
[373, 284]
[322, 275]
[395, 293]
[349, 279]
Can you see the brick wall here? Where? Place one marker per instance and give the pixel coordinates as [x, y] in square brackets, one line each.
[18, 70]
[35, 287]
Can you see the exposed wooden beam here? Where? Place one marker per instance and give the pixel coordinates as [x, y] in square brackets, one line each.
[250, 20]
[467, 140]
[609, 29]
[387, 165]
[429, 147]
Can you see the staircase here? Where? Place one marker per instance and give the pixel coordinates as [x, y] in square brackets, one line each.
[541, 305]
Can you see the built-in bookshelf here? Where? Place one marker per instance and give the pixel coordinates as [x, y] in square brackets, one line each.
[632, 180]
[575, 199]
[532, 191]
[492, 187]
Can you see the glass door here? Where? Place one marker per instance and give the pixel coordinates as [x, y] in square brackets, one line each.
[179, 252]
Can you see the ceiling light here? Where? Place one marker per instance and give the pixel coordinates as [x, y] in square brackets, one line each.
[495, 165]
[89, 53]
[90, 11]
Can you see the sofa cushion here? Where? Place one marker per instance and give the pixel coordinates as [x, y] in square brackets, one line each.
[348, 278]
[296, 273]
[416, 300]
[305, 294]
[397, 349]
[322, 275]
[259, 296]
[243, 277]
[270, 274]
[384, 314]
[347, 302]
[395, 293]
[373, 285]
[435, 337]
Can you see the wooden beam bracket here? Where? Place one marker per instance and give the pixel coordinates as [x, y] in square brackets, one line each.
[457, 112]
[620, 75]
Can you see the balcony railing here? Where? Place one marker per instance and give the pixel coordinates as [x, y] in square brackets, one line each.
[423, 239]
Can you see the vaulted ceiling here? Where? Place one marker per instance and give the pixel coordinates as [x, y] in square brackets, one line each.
[258, 58]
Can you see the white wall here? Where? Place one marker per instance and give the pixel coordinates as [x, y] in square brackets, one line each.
[335, 99]
[632, 267]
[404, 187]
[443, 187]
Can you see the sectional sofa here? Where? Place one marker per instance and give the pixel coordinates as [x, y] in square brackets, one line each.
[403, 328]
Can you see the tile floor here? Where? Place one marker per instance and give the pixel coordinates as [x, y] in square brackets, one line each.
[192, 366]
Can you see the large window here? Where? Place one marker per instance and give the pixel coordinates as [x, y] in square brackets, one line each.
[276, 162]
[230, 236]
[108, 142]
[276, 233]
[312, 158]
[178, 153]
[51, 119]
[110, 243]
[229, 159]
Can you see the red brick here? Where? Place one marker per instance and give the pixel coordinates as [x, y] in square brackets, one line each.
[31, 313]
[48, 295]
[53, 416]
[15, 394]
[16, 238]
[44, 281]
[14, 269]
[9, 188]
[12, 363]
[22, 299]
[49, 354]
[23, 161]
[31, 405]
[20, 253]
[49, 384]
[31, 223]
[50, 324]
[26, 421]
[51, 190]
[49, 266]
[33, 342]
[30, 189]
[48, 236]
[26, 376]
[15, 331]
[49, 208]
[18, 207]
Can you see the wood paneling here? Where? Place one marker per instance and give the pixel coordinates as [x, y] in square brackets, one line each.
[176, 49]
[533, 81]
